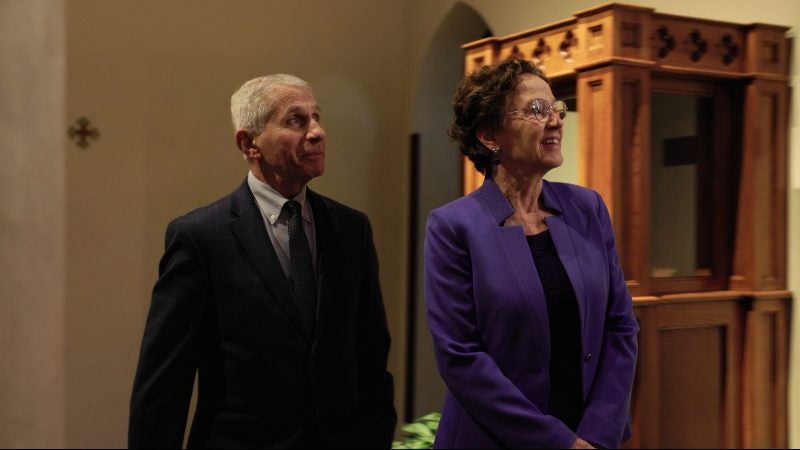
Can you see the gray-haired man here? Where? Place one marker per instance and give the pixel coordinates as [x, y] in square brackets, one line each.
[271, 296]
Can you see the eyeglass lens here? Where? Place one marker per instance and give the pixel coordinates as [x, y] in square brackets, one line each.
[541, 109]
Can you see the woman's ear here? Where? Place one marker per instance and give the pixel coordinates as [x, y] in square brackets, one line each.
[487, 137]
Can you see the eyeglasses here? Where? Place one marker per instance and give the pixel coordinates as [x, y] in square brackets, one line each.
[540, 110]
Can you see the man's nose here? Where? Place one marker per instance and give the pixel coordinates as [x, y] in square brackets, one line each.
[315, 132]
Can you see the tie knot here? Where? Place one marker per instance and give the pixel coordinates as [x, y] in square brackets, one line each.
[292, 208]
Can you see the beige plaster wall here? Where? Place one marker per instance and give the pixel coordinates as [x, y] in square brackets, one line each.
[32, 222]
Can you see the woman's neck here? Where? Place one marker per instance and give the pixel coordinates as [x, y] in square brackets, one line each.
[523, 190]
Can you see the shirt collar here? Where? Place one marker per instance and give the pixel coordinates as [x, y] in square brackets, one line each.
[271, 201]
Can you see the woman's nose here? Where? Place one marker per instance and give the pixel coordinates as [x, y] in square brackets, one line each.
[555, 120]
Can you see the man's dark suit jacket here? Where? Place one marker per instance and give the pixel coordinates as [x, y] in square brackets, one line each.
[222, 309]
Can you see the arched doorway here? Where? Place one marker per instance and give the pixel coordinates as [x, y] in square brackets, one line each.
[438, 181]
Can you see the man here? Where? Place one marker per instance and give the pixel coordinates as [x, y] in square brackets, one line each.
[271, 296]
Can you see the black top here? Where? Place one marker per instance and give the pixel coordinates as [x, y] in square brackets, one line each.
[565, 335]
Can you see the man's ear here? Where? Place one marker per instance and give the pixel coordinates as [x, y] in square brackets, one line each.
[247, 145]
[488, 137]
[244, 140]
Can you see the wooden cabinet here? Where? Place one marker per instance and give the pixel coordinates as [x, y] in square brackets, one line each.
[683, 130]
[712, 370]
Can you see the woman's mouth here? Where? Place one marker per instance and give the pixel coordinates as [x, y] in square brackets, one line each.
[551, 141]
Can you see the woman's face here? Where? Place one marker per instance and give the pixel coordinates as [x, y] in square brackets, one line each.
[525, 142]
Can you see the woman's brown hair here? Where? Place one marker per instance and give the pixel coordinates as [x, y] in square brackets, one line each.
[478, 103]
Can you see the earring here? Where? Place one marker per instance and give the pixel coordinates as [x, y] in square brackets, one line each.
[495, 155]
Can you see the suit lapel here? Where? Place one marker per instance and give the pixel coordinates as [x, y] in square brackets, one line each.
[248, 226]
[327, 249]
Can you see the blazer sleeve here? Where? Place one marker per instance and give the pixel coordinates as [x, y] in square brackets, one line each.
[470, 373]
[169, 353]
[377, 416]
[607, 405]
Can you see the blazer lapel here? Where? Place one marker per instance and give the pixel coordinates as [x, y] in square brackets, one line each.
[517, 251]
[564, 241]
[248, 226]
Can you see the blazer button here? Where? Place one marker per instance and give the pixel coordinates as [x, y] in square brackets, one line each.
[587, 357]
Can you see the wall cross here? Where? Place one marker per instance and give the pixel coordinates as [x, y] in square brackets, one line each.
[83, 132]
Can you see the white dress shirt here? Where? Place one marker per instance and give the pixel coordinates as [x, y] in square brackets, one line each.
[270, 202]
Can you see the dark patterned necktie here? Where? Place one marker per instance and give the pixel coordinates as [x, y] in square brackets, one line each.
[301, 269]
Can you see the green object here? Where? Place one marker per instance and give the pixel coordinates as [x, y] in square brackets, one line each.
[420, 432]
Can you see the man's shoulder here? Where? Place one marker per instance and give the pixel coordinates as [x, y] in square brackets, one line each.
[211, 211]
[337, 209]
[216, 212]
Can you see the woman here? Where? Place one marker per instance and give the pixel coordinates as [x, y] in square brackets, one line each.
[532, 323]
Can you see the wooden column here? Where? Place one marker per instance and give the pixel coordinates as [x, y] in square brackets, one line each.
[614, 148]
[760, 251]
[764, 378]
[644, 401]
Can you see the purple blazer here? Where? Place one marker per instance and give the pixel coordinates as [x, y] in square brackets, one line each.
[488, 317]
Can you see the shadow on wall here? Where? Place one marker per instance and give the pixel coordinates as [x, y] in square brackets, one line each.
[439, 181]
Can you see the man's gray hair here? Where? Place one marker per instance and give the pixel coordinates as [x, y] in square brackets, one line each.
[251, 105]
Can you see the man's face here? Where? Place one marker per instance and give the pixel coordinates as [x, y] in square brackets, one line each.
[292, 144]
